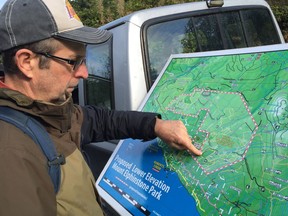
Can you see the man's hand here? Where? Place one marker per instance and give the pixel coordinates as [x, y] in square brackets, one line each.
[175, 134]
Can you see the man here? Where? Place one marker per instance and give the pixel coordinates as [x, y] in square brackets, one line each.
[43, 48]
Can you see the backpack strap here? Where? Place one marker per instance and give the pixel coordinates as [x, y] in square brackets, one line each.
[38, 133]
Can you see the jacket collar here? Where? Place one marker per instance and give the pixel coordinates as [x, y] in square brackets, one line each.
[51, 115]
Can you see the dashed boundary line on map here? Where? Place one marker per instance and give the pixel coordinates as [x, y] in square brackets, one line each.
[207, 133]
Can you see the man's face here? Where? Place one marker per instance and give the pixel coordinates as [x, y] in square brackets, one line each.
[52, 84]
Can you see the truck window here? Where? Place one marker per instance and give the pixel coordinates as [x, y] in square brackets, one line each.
[259, 28]
[98, 87]
[207, 32]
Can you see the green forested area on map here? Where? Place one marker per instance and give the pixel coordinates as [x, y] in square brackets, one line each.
[235, 110]
[99, 12]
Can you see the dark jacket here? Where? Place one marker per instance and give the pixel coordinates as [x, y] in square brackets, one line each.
[25, 186]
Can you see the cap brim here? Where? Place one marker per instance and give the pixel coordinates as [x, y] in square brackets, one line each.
[86, 34]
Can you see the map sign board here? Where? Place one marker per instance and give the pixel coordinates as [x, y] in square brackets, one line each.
[235, 107]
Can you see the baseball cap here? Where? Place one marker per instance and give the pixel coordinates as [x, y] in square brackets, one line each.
[27, 21]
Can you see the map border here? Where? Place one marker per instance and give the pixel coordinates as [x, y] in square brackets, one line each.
[261, 49]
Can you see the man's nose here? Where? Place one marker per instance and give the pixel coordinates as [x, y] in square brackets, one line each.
[82, 71]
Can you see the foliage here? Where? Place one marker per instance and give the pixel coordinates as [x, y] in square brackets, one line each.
[281, 14]
[99, 12]
[95, 13]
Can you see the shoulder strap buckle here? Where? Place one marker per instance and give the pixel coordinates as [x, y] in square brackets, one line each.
[59, 160]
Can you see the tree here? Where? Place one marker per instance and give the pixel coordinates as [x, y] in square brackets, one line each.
[281, 14]
[95, 13]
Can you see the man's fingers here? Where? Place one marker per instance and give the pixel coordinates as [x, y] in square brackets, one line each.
[187, 144]
[175, 134]
[192, 149]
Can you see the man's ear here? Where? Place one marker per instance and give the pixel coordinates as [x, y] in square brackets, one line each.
[25, 60]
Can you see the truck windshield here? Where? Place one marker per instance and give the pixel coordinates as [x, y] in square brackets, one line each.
[208, 32]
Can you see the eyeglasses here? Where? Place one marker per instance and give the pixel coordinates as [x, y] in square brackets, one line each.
[75, 63]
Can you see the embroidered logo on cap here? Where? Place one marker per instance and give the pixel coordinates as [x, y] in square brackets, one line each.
[71, 12]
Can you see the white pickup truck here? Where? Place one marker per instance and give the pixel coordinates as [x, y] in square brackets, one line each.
[122, 70]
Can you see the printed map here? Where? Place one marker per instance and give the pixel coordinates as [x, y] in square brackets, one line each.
[235, 108]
